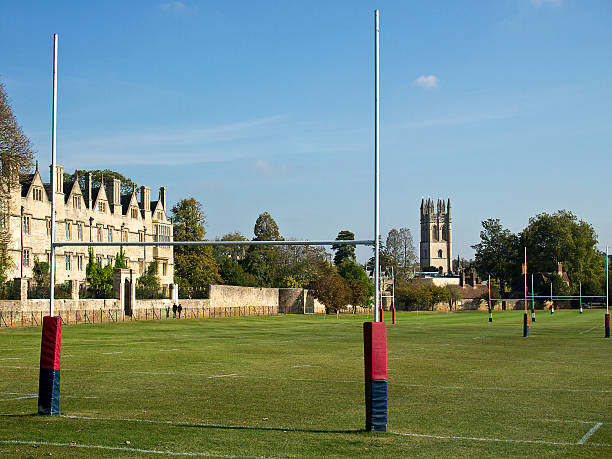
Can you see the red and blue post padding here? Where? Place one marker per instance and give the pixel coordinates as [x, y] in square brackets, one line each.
[533, 313]
[607, 324]
[394, 316]
[552, 308]
[49, 380]
[580, 308]
[375, 360]
[525, 325]
[490, 315]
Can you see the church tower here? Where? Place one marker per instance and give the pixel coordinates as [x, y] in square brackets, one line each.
[436, 235]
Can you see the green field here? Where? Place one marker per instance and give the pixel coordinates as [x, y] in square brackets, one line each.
[292, 386]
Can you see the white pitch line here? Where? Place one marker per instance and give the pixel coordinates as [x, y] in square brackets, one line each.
[109, 353]
[587, 435]
[499, 440]
[569, 421]
[289, 429]
[223, 376]
[131, 450]
[17, 398]
[586, 331]
[10, 358]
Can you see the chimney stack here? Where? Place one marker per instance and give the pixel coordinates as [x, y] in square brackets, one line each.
[162, 197]
[145, 198]
[88, 186]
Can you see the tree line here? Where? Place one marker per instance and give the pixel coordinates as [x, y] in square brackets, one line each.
[550, 239]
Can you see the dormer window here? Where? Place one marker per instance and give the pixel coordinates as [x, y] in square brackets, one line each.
[76, 202]
[134, 212]
[37, 194]
[160, 216]
[102, 206]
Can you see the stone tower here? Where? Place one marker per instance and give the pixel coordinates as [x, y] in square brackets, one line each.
[436, 235]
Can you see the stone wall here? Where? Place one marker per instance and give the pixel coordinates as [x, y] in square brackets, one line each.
[232, 296]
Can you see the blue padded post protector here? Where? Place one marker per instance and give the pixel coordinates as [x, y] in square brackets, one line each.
[49, 392]
[376, 406]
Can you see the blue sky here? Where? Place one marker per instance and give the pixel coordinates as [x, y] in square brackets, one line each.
[253, 106]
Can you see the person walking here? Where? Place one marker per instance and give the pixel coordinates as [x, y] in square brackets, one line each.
[174, 308]
[180, 308]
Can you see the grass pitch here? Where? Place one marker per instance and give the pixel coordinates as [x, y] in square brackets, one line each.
[292, 386]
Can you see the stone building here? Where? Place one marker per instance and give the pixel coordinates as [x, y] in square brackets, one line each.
[436, 236]
[99, 214]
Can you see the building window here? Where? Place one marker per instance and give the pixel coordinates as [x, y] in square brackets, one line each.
[110, 234]
[102, 206]
[49, 258]
[140, 236]
[111, 260]
[79, 227]
[79, 262]
[99, 233]
[4, 213]
[48, 225]
[134, 212]
[76, 202]
[26, 257]
[37, 194]
[26, 224]
[124, 236]
[164, 266]
[68, 231]
[68, 265]
[439, 253]
[99, 259]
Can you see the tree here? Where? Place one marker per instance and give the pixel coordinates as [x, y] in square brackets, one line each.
[360, 287]
[40, 270]
[100, 279]
[121, 261]
[302, 262]
[562, 238]
[15, 148]
[17, 158]
[194, 267]
[454, 295]
[415, 293]
[497, 253]
[344, 251]
[332, 291]
[261, 261]
[232, 274]
[234, 252]
[150, 279]
[97, 175]
[400, 250]
[290, 282]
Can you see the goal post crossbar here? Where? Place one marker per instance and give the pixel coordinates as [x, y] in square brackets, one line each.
[555, 297]
[210, 243]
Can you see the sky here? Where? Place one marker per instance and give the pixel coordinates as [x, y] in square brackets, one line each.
[255, 106]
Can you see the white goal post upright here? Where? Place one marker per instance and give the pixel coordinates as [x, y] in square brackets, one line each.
[376, 167]
[53, 180]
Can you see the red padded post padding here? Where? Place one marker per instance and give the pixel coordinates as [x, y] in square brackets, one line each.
[375, 350]
[51, 343]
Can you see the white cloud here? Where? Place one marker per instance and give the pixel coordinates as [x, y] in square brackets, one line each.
[269, 169]
[539, 3]
[427, 81]
[173, 7]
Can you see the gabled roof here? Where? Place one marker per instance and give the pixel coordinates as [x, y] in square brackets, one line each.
[75, 188]
[26, 181]
[127, 200]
